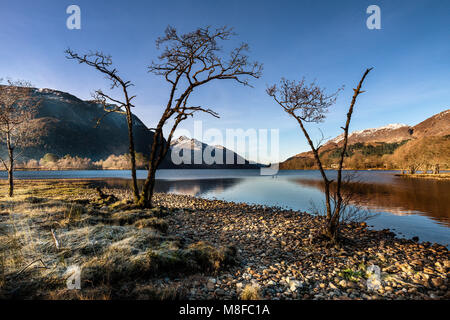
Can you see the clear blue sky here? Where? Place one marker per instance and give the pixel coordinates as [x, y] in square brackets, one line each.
[323, 40]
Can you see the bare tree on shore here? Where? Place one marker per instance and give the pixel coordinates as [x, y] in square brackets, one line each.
[103, 63]
[18, 107]
[187, 62]
[309, 103]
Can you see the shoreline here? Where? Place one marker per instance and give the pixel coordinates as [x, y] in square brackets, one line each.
[439, 176]
[237, 250]
[175, 168]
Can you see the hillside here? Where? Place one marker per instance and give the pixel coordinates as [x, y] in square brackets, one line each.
[375, 142]
[70, 129]
[437, 125]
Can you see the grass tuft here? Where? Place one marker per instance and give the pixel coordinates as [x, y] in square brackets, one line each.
[250, 292]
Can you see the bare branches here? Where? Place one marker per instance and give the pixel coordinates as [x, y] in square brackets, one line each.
[104, 100]
[188, 61]
[195, 58]
[103, 63]
[307, 103]
[356, 91]
[18, 108]
[319, 143]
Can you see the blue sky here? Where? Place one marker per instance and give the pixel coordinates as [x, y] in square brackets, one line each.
[323, 40]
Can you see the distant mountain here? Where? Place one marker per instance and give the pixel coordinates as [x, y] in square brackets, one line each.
[70, 129]
[389, 134]
[198, 150]
[392, 134]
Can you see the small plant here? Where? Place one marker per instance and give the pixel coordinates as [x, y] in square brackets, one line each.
[73, 213]
[250, 292]
[351, 275]
[34, 200]
[210, 258]
[155, 223]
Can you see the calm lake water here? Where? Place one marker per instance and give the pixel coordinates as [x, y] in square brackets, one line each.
[409, 207]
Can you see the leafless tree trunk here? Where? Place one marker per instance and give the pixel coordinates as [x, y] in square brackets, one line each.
[334, 222]
[18, 108]
[11, 166]
[436, 168]
[103, 63]
[309, 103]
[187, 62]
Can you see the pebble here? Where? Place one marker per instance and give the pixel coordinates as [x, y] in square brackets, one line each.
[274, 249]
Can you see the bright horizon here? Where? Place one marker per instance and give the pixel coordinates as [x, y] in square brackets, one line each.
[321, 40]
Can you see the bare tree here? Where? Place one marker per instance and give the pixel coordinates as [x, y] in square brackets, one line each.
[309, 103]
[18, 107]
[103, 63]
[187, 62]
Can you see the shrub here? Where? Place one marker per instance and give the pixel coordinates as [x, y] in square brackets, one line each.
[210, 258]
[155, 223]
[250, 292]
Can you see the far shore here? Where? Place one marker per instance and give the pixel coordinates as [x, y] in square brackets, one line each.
[438, 176]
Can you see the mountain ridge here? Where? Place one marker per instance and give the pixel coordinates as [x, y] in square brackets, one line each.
[436, 125]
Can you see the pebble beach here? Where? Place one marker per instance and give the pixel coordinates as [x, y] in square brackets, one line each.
[280, 258]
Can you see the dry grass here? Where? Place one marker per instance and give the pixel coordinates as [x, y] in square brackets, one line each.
[250, 292]
[115, 245]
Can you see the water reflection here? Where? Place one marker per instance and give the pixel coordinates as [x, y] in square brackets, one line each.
[402, 196]
[411, 206]
[386, 193]
[188, 187]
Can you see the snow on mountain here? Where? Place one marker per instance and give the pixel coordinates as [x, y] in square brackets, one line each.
[184, 142]
[368, 132]
[194, 145]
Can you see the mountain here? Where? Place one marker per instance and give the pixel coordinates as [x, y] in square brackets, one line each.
[391, 133]
[70, 128]
[383, 139]
[198, 151]
[437, 125]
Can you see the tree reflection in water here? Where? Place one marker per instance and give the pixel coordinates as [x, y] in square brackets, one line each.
[403, 196]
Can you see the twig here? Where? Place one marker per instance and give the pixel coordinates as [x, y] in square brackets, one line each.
[30, 264]
[55, 239]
